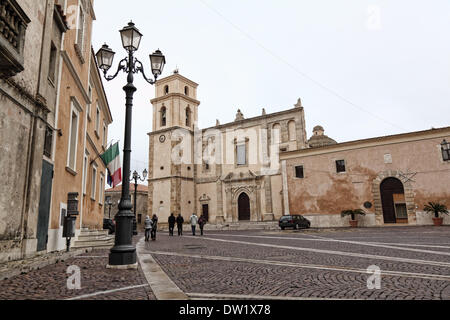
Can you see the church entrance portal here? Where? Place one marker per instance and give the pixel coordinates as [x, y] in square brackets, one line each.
[244, 207]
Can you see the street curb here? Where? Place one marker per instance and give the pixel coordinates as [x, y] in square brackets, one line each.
[160, 283]
[41, 262]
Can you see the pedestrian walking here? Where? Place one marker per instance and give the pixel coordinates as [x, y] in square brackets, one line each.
[148, 224]
[154, 227]
[171, 224]
[180, 221]
[194, 221]
[201, 223]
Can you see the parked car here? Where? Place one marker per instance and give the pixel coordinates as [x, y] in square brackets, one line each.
[294, 221]
[109, 224]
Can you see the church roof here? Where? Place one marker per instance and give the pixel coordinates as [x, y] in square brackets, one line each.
[320, 141]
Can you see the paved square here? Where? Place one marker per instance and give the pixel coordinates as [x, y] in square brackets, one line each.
[309, 264]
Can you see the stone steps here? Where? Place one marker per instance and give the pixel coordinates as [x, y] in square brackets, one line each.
[98, 239]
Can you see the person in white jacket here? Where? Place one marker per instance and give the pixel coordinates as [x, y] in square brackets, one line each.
[148, 227]
[194, 221]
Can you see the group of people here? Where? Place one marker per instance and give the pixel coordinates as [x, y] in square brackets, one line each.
[151, 225]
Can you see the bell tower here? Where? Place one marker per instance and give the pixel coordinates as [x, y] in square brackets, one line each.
[171, 186]
[175, 104]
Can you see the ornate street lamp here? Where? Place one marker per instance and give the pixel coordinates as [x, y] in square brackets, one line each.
[109, 203]
[124, 252]
[137, 177]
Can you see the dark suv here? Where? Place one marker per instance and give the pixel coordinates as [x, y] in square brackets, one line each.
[109, 224]
[294, 221]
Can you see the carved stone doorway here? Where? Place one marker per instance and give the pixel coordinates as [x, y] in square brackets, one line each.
[244, 207]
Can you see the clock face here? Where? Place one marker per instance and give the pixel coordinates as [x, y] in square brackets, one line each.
[162, 138]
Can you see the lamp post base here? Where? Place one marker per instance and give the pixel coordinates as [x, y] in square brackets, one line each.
[123, 267]
[122, 256]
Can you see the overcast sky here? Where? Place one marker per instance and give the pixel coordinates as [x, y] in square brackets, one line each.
[362, 68]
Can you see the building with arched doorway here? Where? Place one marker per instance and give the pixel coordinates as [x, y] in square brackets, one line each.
[229, 172]
[391, 178]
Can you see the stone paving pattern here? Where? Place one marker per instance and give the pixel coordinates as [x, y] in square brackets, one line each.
[195, 275]
[208, 276]
[50, 282]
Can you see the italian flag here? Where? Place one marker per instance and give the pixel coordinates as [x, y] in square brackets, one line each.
[111, 158]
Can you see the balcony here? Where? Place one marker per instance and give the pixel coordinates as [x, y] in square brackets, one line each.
[13, 25]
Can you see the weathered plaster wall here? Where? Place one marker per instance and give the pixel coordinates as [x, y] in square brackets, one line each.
[416, 161]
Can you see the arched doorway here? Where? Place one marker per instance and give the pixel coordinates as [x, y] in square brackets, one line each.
[244, 207]
[393, 201]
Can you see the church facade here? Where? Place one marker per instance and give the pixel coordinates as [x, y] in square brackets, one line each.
[262, 168]
[229, 172]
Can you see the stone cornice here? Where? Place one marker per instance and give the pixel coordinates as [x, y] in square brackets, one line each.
[175, 76]
[170, 177]
[161, 131]
[368, 143]
[175, 95]
[254, 119]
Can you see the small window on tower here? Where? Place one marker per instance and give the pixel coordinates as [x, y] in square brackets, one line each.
[188, 117]
[163, 116]
[186, 90]
[166, 90]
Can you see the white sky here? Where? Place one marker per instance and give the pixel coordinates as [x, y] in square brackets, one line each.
[362, 68]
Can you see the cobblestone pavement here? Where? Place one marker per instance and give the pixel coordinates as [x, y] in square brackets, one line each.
[50, 282]
[414, 263]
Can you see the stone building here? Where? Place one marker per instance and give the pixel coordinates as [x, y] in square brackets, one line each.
[31, 35]
[114, 194]
[391, 178]
[82, 119]
[228, 172]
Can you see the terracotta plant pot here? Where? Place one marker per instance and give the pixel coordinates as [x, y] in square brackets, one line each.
[438, 221]
[354, 223]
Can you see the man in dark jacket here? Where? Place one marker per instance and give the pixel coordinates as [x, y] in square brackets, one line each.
[180, 222]
[155, 227]
[171, 224]
[201, 223]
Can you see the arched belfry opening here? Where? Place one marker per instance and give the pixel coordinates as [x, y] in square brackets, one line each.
[244, 207]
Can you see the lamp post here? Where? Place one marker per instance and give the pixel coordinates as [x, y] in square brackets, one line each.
[137, 177]
[124, 252]
[109, 204]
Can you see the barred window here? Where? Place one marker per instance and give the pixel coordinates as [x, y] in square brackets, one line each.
[340, 166]
[299, 173]
[445, 147]
[48, 144]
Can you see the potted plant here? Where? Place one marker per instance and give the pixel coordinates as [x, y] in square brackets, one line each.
[436, 208]
[353, 213]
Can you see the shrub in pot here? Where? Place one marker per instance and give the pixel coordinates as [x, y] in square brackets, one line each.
[436, 209]
[353, 214]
